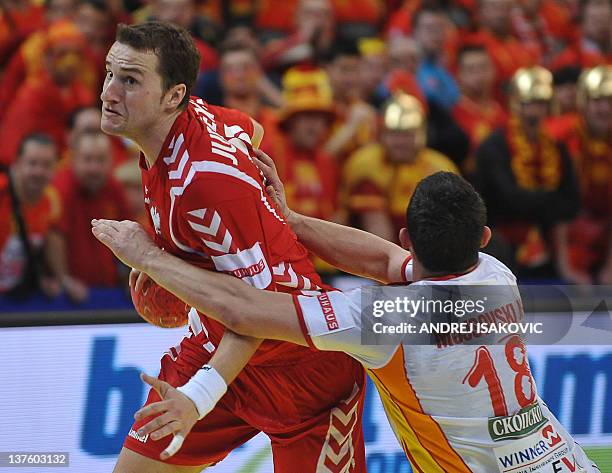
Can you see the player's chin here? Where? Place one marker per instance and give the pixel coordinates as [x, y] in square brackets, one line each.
[112, 125]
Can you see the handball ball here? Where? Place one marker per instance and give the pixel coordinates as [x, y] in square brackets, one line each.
[159, 306]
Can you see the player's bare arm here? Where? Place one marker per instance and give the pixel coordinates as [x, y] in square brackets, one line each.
[349, 249]
[238, 306]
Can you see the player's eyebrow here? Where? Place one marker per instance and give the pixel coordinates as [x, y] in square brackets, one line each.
[133, 69]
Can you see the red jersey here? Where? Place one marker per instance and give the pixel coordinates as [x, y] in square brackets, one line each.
[207, 204]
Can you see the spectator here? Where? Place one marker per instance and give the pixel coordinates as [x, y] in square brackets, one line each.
[495, 32]
[309, 173]
[430, 32]
[565, 104]
[87, 120]
[585, 250]
[313, 35]
[242, 81]
[526, 178]
[594, 43]
[443, 133]
[45, 101]
[374, 69]
[28, 60]
[358, 18]
[533, 30]
[19, 19]
[57, 10]
[87, 191]
[477, 112]
[128, 175]
[29, 207]
[271, 18]
[400, 22]
[356, 120]
[95, 19]
[404, 54]
[184, 14]
[380, 177]
[566, 82]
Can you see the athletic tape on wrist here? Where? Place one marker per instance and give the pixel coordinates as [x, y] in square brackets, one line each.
[205, 388]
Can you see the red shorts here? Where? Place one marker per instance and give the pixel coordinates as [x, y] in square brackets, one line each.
[311, 410]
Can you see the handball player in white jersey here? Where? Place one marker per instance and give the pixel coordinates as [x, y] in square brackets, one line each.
[457, 408]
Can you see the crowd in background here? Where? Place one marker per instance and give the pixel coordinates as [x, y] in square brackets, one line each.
[359, 99]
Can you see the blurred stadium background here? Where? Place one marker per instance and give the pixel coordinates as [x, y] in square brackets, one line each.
[514, 95]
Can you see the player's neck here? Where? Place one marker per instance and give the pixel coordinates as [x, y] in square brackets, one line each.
[152, 139]
[419, 273]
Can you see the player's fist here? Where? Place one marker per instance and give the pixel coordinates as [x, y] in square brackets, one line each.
[155, 304]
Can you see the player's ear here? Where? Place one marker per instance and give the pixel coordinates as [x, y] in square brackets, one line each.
[175, 95]
[404, 239]
[486, 236]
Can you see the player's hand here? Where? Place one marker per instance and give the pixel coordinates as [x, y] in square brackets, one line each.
[137, 280]
[178, 415]
[127, 240]
[275, 188]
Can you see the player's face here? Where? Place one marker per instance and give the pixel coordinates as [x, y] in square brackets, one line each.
[132, 92]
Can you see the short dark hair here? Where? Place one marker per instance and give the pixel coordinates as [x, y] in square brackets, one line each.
[342, 47]
[445, 221]
[566, 75]
[36, 137]
[229, 47]
[179, 59]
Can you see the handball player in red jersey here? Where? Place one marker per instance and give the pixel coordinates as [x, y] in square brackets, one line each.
[207, 205]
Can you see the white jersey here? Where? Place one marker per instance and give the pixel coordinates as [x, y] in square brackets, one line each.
[454, 407]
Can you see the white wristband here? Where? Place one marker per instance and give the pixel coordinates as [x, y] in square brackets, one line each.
[205, 388]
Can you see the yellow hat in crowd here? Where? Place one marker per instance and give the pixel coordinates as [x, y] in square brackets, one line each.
[531, 84]
[595, 83]
[403, 112]
[371, 46]
[306, 90]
